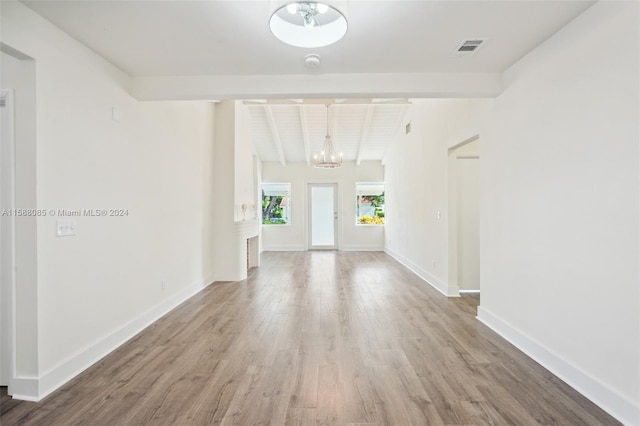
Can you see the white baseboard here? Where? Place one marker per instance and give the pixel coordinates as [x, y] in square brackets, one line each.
[293, 247]
[34, 389]
[303, 248]
[363, 248]
[620, 407]
[447, 290]
[24, 388]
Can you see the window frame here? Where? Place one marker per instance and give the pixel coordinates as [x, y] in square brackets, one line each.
[357, 206]
[288, 206]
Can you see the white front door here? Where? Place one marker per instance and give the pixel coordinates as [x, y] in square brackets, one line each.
[323, 216]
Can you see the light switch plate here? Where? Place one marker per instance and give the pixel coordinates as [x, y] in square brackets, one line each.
[65, 227]
[116, 114]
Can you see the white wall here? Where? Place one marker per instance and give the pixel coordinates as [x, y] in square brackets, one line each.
[559, 211]
[560, 207]
[244, 167]
[101, 286]
[468, 222]
[351, 236]
[417, 188]
[234, 184]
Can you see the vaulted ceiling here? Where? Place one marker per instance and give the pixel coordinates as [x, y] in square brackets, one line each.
[215, 49]
[289, 132]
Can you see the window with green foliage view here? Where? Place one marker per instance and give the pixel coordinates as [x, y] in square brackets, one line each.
[369, 203]
[276, 200]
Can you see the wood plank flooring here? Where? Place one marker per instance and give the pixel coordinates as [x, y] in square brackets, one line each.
[315, 338]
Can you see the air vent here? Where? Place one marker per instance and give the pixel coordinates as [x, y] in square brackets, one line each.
[467, 47]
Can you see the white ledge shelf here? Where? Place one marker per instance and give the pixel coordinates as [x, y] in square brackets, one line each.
[246, 228]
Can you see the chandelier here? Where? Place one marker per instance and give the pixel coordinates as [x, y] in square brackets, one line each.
[308, 24]
[327, 158]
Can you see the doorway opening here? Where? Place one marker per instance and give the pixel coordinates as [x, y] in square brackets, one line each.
[7, 237]
[18, 233]
[323, 216]
[464, 216]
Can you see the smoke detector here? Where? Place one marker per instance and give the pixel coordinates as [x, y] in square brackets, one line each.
[312, 60]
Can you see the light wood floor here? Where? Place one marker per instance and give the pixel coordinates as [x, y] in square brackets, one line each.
[315, 338]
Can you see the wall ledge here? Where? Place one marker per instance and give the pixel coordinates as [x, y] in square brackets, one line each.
[620, 407]
[246, 228]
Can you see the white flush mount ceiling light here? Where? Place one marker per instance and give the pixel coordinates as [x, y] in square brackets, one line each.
[308, 24]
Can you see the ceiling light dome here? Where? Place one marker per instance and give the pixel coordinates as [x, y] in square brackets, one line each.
[308, 24]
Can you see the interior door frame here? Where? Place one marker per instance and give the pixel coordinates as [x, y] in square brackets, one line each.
[452, 226]
[8, 235]
[337, 217]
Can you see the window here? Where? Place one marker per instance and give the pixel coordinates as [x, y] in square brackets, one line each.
[370, 203]
[276, 200]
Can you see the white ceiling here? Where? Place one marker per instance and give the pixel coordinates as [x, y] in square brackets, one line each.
[401, 41]
[168, 38]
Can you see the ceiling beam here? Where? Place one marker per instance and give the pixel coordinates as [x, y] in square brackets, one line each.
[343, 101]
[275, 135]
[305, 134]
[314, 86]
[401, 118]
[364, 134]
